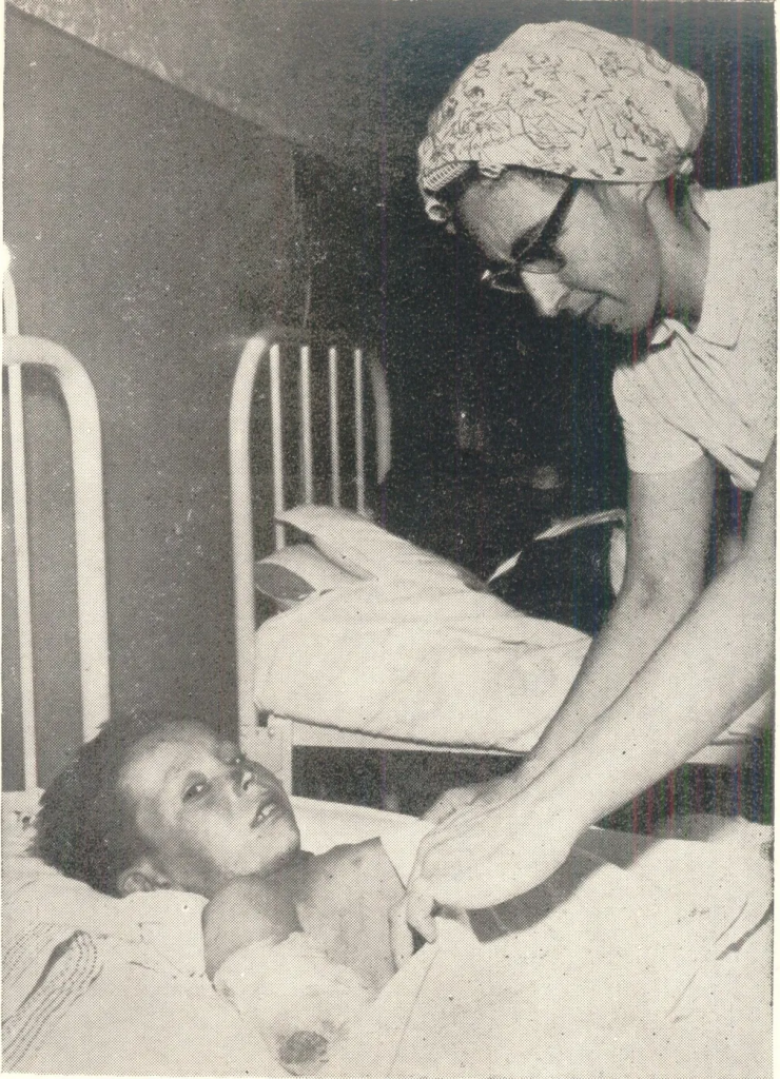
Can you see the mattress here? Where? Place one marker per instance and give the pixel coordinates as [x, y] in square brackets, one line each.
[379, 637]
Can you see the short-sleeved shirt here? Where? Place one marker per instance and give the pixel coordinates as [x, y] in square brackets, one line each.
[714, 390]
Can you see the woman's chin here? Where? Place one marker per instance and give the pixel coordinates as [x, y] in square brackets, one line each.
[618, 317]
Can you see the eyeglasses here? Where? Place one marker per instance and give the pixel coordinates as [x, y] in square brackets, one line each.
[537, 254]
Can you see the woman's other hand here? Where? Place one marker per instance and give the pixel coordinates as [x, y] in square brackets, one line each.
[491, 792]
[484, 855]
[451, 801]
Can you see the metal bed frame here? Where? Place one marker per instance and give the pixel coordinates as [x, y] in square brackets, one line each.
[270, 739]
[21, 353]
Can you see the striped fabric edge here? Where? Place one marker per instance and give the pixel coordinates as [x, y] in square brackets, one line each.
[73, 966]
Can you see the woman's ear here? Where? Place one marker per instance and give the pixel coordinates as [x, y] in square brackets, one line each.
[141, 877]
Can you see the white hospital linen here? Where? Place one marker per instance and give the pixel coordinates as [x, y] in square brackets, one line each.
[410, 646]
[433, 662]
[659, 969]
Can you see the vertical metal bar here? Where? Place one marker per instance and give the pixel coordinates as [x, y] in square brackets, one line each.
[86, 455]
[306, 444]
[10, 307]
[335, 456]
[383, 425]
[23, 584]
[360, 435]
[277, 458]
[88, 495]
[21, 540]
[243, 538]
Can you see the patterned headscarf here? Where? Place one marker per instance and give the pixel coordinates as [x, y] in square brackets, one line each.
[567, 99]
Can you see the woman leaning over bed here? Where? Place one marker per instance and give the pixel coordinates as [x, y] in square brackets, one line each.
[557, 154]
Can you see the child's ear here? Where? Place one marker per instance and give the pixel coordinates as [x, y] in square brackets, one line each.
[141, 877]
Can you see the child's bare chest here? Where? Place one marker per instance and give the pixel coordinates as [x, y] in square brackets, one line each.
[344, 905]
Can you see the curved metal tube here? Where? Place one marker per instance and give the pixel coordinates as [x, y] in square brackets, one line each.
[272, 744]
[87, 457]
[243, 539]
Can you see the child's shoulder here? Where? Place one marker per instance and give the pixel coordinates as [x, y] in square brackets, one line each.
[333, 897]
[247, 909]
[355, 859]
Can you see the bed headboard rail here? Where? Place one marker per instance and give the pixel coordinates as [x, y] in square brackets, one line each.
[271, 349]
[20, 352]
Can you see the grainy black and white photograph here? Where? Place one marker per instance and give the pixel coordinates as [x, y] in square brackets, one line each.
[389, 533]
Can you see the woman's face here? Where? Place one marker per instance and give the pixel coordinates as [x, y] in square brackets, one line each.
[612, 271]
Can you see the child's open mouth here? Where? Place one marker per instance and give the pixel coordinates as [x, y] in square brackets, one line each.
[268, 809]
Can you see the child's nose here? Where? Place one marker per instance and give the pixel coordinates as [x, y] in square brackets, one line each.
[244, 778]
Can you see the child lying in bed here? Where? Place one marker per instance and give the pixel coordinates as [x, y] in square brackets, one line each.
[150, 805]
[298, 941]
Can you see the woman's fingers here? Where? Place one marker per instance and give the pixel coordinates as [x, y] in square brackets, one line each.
[401, 937]
[414, 912]
[484, 854]
[451, 801]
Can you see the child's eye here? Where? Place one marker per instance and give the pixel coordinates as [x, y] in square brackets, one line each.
[194, 790]
[231, 755]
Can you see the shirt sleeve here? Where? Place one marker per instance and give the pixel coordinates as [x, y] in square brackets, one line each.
[653, 445]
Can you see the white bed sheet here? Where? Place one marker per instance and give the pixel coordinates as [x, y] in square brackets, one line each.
[660, 968]
[654, 960]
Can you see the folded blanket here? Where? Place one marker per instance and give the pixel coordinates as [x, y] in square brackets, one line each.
[386, 639]
[410, 646]
[436, 664]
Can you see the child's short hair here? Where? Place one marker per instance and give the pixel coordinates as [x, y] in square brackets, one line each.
[86, 827]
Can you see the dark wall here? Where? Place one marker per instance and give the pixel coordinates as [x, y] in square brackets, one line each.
[149, 232]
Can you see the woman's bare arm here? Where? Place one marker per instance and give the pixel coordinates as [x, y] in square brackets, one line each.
[668, 531]
[715, 663]
[668, 534]
[713, 666]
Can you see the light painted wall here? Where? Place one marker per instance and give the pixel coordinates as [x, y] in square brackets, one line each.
[149, 232]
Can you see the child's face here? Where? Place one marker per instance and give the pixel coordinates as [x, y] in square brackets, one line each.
[207, 814]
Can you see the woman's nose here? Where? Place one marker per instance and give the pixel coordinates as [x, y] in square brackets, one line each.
[546, 291]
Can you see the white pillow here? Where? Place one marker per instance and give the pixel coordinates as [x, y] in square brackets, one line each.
[35, 893]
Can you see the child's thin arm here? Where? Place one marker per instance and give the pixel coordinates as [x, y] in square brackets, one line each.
[246, 910]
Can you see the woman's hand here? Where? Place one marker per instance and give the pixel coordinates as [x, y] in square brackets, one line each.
[453, 800]
[491, 792]
[482, 856]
